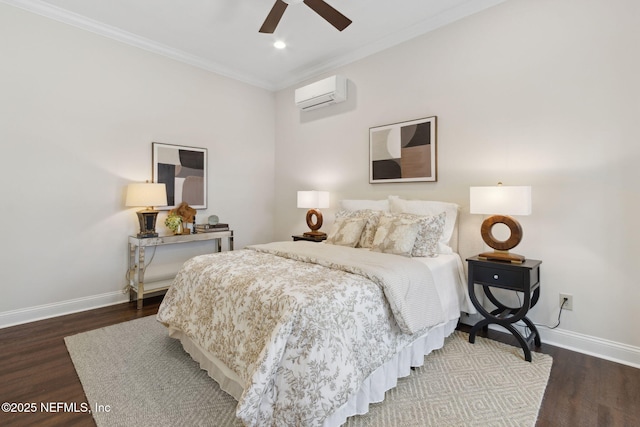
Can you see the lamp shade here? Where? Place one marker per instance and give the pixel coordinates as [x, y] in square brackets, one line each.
[313, 199]
[499, 199]
[146, 194]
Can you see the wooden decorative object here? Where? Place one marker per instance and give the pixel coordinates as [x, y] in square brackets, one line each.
[501, 252]
[314, 225]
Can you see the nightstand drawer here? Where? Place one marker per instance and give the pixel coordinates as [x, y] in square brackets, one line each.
[509, 279]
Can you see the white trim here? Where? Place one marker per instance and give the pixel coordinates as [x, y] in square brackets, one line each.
[433, 23]
[46, 311]
[598, 347]
[445, 17]
[61, 15]
[586, 344]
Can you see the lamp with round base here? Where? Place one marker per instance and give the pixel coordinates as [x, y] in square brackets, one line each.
[501, 199]
[314, 200]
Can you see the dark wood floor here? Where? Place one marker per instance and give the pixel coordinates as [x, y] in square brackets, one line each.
[35, 368]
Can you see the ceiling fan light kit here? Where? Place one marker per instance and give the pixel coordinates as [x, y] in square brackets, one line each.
[320, 7]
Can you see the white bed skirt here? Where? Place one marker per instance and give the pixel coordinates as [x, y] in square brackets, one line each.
[372, 389]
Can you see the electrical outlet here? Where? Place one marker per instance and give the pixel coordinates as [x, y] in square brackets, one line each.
[569, 304]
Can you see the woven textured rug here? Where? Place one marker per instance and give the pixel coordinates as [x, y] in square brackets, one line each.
[148, 380]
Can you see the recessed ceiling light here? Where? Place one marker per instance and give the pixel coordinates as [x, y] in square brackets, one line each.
[279, 44]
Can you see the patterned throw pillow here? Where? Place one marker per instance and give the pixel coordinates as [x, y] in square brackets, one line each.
[429, 207]
[372, 217]
[430, 230]
[346, 231]
[395, 235]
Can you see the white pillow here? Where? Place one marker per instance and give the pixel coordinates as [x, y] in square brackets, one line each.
[395, 235]
[346, 231]
[429, 207]
[356, 205]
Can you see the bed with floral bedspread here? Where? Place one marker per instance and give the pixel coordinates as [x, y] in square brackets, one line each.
[295, 328]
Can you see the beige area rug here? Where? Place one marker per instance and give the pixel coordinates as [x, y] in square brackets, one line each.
[146, 379]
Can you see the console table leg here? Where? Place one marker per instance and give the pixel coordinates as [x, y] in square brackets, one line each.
[140, 277]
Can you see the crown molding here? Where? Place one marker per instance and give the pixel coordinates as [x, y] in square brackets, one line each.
[444, 18]
[301, 74]
[61, 15]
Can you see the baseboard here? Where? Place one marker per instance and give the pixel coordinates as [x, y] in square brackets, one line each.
[46, 311]
[585, 344]
[598, 347]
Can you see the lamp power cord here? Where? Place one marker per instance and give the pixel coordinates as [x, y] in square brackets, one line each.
[528, 331]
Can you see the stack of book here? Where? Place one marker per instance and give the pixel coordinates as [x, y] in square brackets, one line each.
[209, 228]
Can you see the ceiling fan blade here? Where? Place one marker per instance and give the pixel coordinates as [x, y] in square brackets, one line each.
[330, 14]
[270, 24]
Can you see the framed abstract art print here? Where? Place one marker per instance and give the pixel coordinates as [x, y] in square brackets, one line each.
[403, 152]
[184, 171]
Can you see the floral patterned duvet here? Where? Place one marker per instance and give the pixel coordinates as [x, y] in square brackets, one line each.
[302, 324]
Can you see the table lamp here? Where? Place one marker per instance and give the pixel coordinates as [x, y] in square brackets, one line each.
[499, 202]
[149, 195]
[314, 201]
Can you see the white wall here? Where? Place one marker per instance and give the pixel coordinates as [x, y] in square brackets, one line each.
[542, 93]
[78, 114]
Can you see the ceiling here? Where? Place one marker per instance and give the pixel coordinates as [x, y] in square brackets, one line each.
[222, 35]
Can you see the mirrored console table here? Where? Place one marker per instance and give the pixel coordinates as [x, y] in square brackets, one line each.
[137, 248]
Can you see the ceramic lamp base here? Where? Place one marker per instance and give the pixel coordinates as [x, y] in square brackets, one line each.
[147, 219]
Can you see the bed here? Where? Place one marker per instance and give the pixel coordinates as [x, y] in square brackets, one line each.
[309, 334]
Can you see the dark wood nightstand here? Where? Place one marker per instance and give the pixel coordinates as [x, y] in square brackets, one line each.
[309, 238]
[524, 278]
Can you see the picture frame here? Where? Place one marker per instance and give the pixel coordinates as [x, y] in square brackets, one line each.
[403, 152]
[183, 170]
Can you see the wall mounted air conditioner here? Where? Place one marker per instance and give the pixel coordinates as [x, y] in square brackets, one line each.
[322, 93]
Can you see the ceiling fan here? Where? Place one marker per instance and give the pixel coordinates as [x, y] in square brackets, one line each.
[323, 9]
